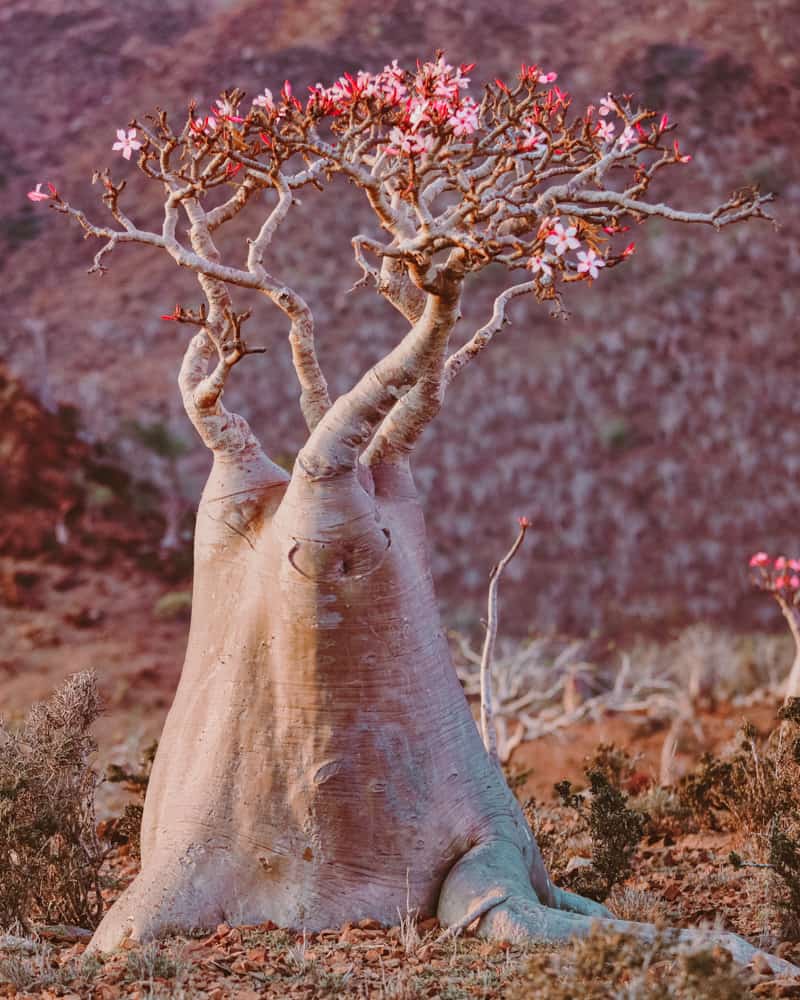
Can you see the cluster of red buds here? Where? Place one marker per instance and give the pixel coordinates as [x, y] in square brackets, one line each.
[779, 575]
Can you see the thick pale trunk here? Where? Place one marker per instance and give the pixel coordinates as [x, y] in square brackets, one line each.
[320, 762]
[792, 616]
[793, 683]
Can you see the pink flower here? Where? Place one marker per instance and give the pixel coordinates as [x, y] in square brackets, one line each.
[227, 111]
[607, 106]
[759, 559]
[532, 139]
[419, 114]
[780, 562]
[537, 265]
[589, 263]
[606, 131]
[38, 195]
[563, 239]
[628, 138]
[126, 143]
[408, 143]
[265, 100]
[780, 582]
[203, 125]
[794, 564]
[548, 77]
[465, 120]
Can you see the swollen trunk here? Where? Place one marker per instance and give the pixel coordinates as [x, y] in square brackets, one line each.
[320, 762]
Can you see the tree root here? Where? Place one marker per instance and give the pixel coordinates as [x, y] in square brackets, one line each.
[160, 900]
[491, 884]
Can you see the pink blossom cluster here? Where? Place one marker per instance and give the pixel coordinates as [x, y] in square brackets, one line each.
[780, 575]
[407, 126]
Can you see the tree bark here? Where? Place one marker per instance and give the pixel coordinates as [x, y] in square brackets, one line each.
[320, 760]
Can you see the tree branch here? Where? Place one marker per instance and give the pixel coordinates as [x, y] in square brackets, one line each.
[406, 421]
[314, 398]
[334, 446]
[226, 434]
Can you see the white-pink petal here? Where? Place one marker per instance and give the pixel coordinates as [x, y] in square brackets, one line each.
[606, 106]
[589, 263]
[37, 194]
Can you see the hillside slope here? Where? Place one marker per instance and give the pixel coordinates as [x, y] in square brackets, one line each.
[650, 466]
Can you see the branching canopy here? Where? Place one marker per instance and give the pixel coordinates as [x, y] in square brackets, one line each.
[456, 184]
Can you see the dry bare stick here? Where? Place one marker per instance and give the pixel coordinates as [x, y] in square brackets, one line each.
[488, 731]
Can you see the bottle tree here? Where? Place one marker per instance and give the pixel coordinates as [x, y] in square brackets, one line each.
[320, 763]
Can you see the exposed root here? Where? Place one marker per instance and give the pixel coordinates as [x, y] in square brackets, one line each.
[496, 872]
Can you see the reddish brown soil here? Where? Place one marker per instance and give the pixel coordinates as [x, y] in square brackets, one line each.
[563, 754]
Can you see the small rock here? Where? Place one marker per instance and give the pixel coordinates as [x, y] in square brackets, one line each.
[578, 862]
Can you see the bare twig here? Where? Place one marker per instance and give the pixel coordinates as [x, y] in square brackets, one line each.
[488, 731]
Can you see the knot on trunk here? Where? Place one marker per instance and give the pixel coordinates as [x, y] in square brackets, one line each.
[340, 560]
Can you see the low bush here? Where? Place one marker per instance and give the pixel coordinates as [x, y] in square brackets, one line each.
[756, 791]
[608, 964]
[600, 818]
[50, 855]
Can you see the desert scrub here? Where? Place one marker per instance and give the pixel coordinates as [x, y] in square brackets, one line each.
[601, 814]
[607, 964]
[646, 907]
[589, 838]
[156, 960]
[50, 856]
[750, 788]
[40, 970]
[756, 791]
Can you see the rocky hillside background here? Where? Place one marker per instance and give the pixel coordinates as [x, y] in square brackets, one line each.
[653, 439]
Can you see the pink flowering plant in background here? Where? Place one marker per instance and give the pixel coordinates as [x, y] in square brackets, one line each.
[780, 576]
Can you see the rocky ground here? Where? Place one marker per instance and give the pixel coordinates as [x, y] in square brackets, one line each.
[108, 619]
